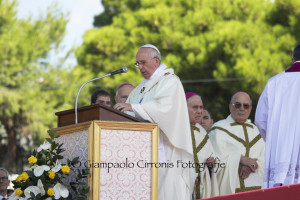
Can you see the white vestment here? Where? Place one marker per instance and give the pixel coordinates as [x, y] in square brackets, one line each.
[278, 119]
[203, 149]
[231, 141]
[161, 100]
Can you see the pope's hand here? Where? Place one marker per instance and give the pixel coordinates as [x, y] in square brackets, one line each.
[123, 107]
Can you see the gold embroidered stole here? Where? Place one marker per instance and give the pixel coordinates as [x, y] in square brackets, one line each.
[146, 86]
[196, 150]
[247, 144]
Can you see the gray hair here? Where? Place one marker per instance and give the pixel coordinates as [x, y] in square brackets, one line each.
[197, 95]
[154, 54]
[6, 172]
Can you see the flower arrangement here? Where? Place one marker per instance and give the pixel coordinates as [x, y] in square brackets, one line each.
[43, 180]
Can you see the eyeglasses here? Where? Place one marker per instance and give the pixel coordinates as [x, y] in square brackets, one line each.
[142, 62]
[238, 105]
[3, 178]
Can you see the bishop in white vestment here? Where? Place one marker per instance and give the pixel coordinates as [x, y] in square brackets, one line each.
[239, 146]
[277, 117]
[160, 99]
[205, 164]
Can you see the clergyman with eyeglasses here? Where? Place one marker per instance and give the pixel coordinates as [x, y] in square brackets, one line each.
[4, 183]
[238, 144]
[160, 99]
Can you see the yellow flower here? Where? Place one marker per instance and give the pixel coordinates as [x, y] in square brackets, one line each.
[51, 174]
[24, 176]
[19, 192]
[50, 192]
[32, 160]
[65, 169]
[19, 178]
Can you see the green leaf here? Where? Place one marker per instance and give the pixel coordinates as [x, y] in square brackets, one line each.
[51, 134]
[49, 140]
[86, 171]
[32, 195]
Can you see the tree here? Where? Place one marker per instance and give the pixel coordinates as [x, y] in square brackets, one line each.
[219, 46]
[30, 91]
[112, 8]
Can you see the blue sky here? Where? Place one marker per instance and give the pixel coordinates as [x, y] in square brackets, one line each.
[81, 16]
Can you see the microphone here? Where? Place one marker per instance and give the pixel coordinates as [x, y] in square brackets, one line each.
[122, 70]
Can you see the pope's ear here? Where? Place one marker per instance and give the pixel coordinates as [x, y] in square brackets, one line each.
[157, 59]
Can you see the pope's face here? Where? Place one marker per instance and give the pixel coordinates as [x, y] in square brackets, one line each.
[147, 64]
[195, 108]
[240, 107]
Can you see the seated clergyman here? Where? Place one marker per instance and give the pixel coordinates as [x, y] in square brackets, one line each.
[238, 144]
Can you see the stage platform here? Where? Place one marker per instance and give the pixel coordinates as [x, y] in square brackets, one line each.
[288, 192]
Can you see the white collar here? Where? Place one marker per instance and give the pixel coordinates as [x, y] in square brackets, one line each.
[160, 68]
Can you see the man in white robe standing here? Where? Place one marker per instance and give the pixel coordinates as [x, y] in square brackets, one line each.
[277, 117]
[206, 184]
[238, 144]
[160, 99]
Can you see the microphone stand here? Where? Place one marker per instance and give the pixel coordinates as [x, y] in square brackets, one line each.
[122, 70]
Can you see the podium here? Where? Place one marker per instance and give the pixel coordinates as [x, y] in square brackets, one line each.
[120, 150]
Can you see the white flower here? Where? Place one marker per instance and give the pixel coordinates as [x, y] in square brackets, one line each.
[44, 146]
[60, 191]
[39, 170]
[41, 187]
[56, 168]
[34, 189]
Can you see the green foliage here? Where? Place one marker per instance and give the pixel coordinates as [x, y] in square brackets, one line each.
[224, 46]
[31, 91]
[112, 8]
[23, 79]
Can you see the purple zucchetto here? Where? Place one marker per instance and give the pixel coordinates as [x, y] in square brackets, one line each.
[124, 85]
[189, 94]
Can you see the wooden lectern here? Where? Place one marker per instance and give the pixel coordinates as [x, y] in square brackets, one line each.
[120, 150]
